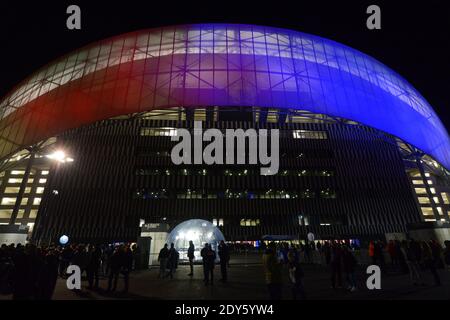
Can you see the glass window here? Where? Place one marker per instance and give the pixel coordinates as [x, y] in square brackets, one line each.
[40, 190]
[33, 213]
[426, 211]
[42, 180]
[36, 201]
[44, 172]
[423, 200]
[308, 134]
[16, 190]
[445, 197]
[436, 200]
[433, 190]
[159, 132]
[17, 172]
[417, 182]
[5, 213]
[420, 190]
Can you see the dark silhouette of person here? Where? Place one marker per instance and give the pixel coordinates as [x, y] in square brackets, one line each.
[272, 271]
[296, 277]
[335, 263]
[172, 261]
[115, 263]
[48, 275]
[126, 266]
[224, 255]
[93, 266]
[162, 258]
[209, 259]
[191, 257]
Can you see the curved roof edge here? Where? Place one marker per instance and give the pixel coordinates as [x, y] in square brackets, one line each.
[217, 64]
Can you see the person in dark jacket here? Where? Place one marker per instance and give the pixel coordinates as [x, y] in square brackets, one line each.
[209, 260]
[48, 276]
[172, 260]
[296, 277]
[126, 266]
[93, 266]
[191, 257]
[335, 264]
[115, 262]
[162, 258]
[224, 255]
[349, 265]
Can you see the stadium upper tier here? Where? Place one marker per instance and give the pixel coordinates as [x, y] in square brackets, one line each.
[217, 65]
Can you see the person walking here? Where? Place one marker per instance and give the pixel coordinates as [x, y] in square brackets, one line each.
[349, 265]
[411, 260]
[429, 262]
[172, 260]
[191, 257]
[126, 267]
[162, 258]
[224, 255]
[296, 277]
[272, 271]
[93, 266]
[115, 264]
[335, 263]
[209, 260]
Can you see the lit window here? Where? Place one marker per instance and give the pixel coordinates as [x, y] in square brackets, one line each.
[436, 200]
[220, 222]
[307, 134]
[420, 190]
[430, 182]
[17, 172]
[433, 190]
[5, 213]
[439, 210]
[249, 222]
[14, 180]
[16, 190]
[445, 197]
[8, 201]
[417, 182]
[40, 190]
[42, 180]
[11, 201]
[426, 211]
[33, 213]
[423, 200]
[427, 175]
[214, 222]
[430, 220]
[37, 201]
[159, 132]
[30, 226]
[44, 172]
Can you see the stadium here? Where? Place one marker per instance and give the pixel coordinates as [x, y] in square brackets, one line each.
[85, 141]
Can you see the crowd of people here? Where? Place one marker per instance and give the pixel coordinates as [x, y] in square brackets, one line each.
[168, 261]
[31, 272]
[408, 257]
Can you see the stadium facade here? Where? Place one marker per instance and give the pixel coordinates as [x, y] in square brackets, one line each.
[362, 153]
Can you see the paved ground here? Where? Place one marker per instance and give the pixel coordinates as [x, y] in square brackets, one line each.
[247, 283]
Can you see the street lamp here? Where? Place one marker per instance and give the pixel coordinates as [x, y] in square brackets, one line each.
[60, 156]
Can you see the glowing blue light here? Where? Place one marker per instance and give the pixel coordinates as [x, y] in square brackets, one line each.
[63, 239]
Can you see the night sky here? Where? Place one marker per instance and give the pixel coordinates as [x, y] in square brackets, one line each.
[414, 40]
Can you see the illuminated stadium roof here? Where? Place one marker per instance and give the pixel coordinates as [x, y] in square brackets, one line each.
[217, 65]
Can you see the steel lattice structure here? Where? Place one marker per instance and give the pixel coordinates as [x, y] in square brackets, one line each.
[217, 65]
